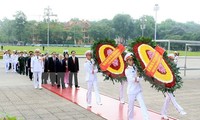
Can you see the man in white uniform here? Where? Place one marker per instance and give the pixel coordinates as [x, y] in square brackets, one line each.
[14, 57]
[37, 67]
[134, 89]
[170, 96]
[91, 78]
[6, 60]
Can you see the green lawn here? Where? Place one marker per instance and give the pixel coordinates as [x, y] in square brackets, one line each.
[182, 53]
[79, 50]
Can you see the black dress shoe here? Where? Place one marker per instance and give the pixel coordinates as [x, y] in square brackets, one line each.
[77, 86]
[58, 86]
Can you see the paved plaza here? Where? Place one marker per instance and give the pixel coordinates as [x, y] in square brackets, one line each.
[19, 98]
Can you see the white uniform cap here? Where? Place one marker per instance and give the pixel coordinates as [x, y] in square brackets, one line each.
[127, 56]
[37, 50]
[88, 52]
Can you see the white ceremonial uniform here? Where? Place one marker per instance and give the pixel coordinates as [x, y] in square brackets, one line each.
[91, 79]
[134, 91]
[37, 67]
[121, 91]
[170, 97]
[176, 59]
[6, 61]
[14, 61]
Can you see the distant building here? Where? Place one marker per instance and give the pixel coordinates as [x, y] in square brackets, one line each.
[84, 24]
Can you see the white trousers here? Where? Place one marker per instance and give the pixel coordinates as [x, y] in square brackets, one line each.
[89, 92]
[14, 66]
[37, 79]
[170, 97]
[7, 66]
[131, 100]
[121, 91]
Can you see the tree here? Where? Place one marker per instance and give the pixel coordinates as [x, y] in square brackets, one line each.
[20, 22]
[123, 25]
[7, 33]
[101, 30]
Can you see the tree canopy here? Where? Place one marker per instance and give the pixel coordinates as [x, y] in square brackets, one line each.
[121, 26]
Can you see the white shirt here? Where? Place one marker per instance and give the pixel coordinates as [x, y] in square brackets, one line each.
[6, 58]
[176, 59]
[37, 64]
[89, 67]
[14, 58]
[134, 86]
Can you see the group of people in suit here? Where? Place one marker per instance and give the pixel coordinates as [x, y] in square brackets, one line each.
[16, 61]
[58, 68]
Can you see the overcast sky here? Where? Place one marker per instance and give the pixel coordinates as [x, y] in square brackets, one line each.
[178, 10]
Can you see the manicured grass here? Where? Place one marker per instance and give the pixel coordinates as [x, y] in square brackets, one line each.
[182, 53]
[79, 50]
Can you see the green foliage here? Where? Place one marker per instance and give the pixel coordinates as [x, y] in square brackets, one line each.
[151, 80]
[121, 26]
[7, 117]
[19, 26]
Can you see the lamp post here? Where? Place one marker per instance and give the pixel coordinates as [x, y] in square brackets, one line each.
[156, 8]
[143, 26]
[48, 13]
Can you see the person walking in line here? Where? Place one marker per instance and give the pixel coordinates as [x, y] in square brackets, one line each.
[66, 78]
[61, 69]
[6, 60]
[170, 96]
[134, 89]
[10, 60]
[91, 79]
[52, 68]
[21, 61]
[29, 65]
[37, 67]
[14, 60]
[45, 74]
[26, 56]
[73, 67]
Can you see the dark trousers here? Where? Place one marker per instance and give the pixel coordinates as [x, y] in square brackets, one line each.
[30, 74]
[27, 71]
[53, 77]
[60, 79]
[44, 77]
[71, 74]
[21, 70]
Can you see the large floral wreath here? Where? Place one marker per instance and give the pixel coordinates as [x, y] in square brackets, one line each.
[165, 77]
[102, 49]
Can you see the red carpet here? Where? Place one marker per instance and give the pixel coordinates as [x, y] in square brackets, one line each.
[111, 108]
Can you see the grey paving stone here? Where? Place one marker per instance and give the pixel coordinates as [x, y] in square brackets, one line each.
[17, 91]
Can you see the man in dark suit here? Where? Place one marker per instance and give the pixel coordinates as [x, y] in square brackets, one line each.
[45, 74]
[29, 65]
[21, 61]
[52, 68]
[73, 67]
[61, 69]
